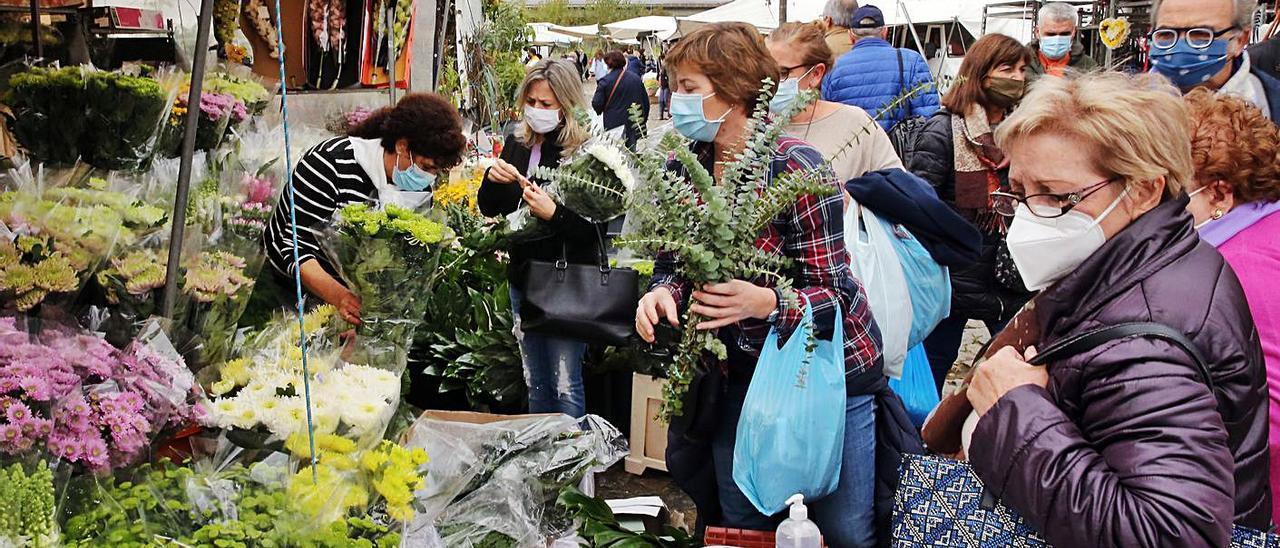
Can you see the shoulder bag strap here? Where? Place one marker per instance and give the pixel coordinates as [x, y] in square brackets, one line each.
[615, 88]
[1090, 340]
[902, 83]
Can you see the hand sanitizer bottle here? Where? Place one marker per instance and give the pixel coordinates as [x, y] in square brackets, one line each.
[797, 531]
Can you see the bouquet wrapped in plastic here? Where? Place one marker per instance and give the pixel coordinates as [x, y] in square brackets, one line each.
[48, 107]
[262, 391]
[60, 228]
[80, 399]
[388, 258]
[596, 183]
[496, 483]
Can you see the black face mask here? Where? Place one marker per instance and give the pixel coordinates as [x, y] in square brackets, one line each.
[1005, 93]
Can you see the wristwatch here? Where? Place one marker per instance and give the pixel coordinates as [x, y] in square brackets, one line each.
[777, 309]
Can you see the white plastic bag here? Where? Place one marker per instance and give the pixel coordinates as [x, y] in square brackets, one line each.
[874, 260]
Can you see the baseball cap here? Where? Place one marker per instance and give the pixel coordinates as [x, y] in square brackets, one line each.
[868, 17]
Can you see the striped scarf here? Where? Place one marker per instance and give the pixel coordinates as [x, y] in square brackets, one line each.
[977, 165]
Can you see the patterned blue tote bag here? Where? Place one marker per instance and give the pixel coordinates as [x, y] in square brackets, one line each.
[940, 503]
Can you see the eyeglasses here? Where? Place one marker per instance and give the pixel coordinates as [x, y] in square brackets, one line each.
[786, 71]
[1198, 38]
[1046, 205]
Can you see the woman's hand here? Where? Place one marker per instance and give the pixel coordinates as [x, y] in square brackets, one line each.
[1000, 374]
[653, 306]
[348, 305]
[731, 302]
[540, 203]
[504, 173]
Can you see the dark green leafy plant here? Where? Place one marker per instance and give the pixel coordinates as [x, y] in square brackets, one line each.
[48, 107]
[466, 340]
[125, 116]
[601, 528]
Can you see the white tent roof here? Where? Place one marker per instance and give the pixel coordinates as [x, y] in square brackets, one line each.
[763, 14]
[544, 36]
[966, 12]
[585, 31]
[662, 27]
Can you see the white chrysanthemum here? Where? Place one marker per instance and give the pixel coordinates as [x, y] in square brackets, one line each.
[612, 157]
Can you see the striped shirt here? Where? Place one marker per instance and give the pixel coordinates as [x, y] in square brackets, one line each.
[326, 179]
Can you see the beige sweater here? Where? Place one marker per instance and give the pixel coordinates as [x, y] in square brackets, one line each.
[868, 147]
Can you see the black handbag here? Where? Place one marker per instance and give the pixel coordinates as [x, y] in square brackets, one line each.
[595, 303]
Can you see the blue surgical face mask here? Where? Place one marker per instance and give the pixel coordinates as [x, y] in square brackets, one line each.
[413, 179]
[1188, 67]
[788, 90]
[690, 121]
[1055, 47]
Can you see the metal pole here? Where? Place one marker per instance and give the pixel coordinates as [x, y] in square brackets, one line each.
[203, 23]
[390, 14]
[782, 11]
[35, 28]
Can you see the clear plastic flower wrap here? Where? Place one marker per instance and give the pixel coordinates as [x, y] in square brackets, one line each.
[57, 226]
[125, 114]
[73, 395]
[388, 257]
[259, 396]
[496, 483]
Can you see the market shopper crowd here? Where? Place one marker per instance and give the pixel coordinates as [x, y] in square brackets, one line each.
[1077, 199]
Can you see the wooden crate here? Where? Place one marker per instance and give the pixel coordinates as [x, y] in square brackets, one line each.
[648, 432]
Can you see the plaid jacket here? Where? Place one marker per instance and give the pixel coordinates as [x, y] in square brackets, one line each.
[811, 233]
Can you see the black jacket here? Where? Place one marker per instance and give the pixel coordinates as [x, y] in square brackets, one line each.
[578, 239]
[903, 198]
[617, 111]
[1265, 57]
[975, 292]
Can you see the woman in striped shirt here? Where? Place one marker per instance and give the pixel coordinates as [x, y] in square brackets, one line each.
[393, 156]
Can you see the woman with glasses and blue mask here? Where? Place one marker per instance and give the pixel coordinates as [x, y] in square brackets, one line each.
[393, 157]
[847, 136]
[712, 106]
[1201, 43]
[1153, 431]
[548, 132]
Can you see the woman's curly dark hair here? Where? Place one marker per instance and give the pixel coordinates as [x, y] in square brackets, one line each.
[428, 121]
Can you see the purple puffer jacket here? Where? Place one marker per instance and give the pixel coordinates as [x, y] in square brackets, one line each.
[1126, 446]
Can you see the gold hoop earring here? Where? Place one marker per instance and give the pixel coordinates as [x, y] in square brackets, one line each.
[1218, 213]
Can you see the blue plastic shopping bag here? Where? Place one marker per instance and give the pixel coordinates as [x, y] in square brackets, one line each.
[916, 388]
[928, 283]
[790, 436]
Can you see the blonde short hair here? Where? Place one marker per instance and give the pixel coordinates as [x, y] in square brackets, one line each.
[562, 76]
[1137, 125]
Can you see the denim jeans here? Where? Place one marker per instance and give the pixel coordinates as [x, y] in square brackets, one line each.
[846, 517]
[943, 345]
[552, 368]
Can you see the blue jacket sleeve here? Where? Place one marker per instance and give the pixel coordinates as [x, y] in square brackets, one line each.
[926, 102]
[602, 95]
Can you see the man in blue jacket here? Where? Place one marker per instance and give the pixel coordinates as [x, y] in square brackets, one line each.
[874, 74]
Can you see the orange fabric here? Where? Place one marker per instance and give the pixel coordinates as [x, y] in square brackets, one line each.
[1054, 68]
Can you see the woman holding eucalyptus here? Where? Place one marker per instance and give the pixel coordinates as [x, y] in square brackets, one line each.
[712, 105]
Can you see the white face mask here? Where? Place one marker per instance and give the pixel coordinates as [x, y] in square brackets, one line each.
[1193, 195]
[1046, 250]
[542, 120]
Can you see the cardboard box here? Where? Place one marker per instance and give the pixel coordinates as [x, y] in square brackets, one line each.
[294, 42]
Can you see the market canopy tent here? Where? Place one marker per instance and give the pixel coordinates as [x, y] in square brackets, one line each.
[661, 27]
[585, 31]
[762, 14]
[544, 36]
[967, 13]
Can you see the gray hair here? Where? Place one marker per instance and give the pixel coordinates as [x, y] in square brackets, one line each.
[1244, 12]
[840, 12]
[868, 33]
[1058, 11]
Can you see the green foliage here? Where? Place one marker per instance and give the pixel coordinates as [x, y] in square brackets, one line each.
[711, 226]
[493, 56]
[27, 506]
[596, 12]
[600, 527]
[466, 339]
